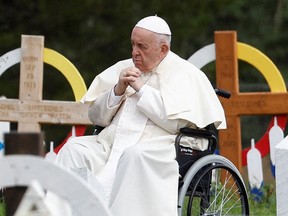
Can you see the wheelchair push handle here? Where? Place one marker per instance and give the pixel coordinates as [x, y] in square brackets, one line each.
[222, 93]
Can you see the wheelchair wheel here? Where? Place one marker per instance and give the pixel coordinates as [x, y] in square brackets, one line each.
[213, 186]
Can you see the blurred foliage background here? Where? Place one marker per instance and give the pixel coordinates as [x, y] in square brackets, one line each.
[94, 34]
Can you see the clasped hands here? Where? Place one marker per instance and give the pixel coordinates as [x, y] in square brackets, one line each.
[129, 77]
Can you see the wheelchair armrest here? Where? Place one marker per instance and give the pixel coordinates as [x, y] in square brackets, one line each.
[97, 129]
[197, 133]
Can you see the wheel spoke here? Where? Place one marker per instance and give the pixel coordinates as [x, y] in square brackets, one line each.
[222, 197]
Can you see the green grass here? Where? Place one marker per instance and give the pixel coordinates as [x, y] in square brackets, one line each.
[2, 208]
[266, 207]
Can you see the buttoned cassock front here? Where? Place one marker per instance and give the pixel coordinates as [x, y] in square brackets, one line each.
[134, 156]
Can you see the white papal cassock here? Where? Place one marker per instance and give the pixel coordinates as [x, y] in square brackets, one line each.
[134, 156]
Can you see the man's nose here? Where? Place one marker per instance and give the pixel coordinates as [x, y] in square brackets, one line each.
[134, 51]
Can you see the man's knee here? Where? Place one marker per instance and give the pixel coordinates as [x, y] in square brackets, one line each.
[73, 143]
[70, 149]
[69, 145]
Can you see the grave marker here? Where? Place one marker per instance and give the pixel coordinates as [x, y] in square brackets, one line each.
[260, 103]
[21, 170]
[281, 153]
[20, 143]
[30, 110]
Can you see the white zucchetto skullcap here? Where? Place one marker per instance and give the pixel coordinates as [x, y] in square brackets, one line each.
[154, 24]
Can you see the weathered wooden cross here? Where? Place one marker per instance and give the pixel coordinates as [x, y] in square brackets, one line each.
[261, 103]
[30, 111]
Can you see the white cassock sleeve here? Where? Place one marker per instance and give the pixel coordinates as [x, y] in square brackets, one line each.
[100, 112]
[151, 104]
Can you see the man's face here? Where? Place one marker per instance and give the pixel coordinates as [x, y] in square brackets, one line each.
[146, 49]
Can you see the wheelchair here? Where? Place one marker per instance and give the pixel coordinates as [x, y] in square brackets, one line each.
[209, 184]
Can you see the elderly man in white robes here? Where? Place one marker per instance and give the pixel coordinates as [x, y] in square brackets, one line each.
[143, 102]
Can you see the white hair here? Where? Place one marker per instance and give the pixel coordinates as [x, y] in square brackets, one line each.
[164, 38]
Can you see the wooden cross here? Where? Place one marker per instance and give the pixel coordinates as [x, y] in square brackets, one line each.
[30, 110]
[260, 103]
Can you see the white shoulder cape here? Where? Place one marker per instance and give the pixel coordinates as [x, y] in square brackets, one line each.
[186, 91]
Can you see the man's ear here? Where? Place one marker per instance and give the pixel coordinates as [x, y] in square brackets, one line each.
[164, 49]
